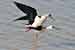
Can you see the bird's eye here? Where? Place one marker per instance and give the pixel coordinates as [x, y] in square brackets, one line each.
[49, 15]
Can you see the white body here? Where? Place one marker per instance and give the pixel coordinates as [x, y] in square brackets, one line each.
[39, 21]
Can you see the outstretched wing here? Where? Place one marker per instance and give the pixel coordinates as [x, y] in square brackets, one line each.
[31, 12]
[22, 18]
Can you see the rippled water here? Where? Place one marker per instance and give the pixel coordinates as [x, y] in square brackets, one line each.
[12, 33]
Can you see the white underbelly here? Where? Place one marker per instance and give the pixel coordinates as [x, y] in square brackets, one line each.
[39, 21]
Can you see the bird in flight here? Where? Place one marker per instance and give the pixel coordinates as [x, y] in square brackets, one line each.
[34, 21]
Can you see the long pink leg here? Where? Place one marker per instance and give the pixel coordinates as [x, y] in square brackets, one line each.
[27, 30]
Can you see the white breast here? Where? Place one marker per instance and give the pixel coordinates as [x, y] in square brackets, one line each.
[39, 21]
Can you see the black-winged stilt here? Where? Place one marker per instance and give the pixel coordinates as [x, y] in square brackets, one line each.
[35, 21]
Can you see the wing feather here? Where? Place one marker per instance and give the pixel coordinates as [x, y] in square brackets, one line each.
[31, 12]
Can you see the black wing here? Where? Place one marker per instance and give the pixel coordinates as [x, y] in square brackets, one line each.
[22, 18]
[31, 12]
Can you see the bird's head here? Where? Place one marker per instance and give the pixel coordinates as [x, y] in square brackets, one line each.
[50, 27]
[53, 27]
[49, 15]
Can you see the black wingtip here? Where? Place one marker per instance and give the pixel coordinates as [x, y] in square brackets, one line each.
[15, 2]
[15, 20]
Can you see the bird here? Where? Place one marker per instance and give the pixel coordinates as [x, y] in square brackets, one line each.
[34, 21]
